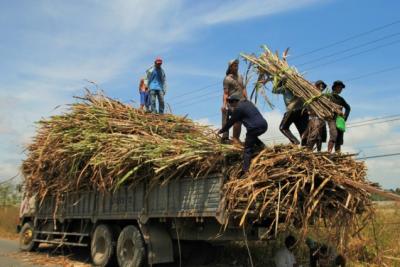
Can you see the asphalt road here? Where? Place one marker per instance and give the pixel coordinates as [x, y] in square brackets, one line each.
[8, 257]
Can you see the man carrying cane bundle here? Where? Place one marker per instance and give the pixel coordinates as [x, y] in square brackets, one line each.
[294, 113]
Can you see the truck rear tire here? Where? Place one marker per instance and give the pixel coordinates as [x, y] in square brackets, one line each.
[102, 245]
[26, 237]
[131, 250]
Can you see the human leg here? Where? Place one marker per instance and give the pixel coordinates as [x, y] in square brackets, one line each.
[237, 129]
[142, 99]
[339, 140]
[153, 101]
[315, 132]
[287, 120]
[300, 119]
[225, 135]
[160, 95]
[258, 143]
[251, 142]
[332, 134]
[147, 101]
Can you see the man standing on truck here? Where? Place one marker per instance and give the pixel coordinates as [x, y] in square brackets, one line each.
[233, 86]
[157, 85]
[294, 112]
[335, 134]
[247, 113]
[315, 133]
[144, 94]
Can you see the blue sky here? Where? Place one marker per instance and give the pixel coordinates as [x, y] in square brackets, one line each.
[48, 49]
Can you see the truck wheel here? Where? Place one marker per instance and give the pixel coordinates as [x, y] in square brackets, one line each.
[131, 250]
[26, 237]
[102, 245]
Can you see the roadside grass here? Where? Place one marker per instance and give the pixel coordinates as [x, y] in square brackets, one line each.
[377, 245]
[8, 221]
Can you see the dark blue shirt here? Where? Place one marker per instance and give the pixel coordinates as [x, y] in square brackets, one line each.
[247, 113]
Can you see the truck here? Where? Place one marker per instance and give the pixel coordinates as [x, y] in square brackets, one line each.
[136, 225]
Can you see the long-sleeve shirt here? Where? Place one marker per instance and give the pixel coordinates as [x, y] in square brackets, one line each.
[341, 102]
[247, 113]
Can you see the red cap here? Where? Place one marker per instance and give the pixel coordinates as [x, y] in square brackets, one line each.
[158, 60]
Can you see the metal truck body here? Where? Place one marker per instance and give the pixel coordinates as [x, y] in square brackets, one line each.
[157, 219]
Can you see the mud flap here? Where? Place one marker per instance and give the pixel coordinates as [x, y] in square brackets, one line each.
[158, 242]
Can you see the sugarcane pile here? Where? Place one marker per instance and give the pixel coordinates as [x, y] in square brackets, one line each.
[101, 144]
[269, 67]
[288, 185]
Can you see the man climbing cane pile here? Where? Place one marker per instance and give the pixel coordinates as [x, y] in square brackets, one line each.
[247, 113]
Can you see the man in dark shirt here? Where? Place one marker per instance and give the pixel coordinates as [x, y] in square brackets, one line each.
[336, 135]
[247, 113]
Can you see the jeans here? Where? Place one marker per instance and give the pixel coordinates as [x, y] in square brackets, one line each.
[160, 95]
[250, 144]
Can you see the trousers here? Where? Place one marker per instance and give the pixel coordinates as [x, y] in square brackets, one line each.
[252, 143]
[237, 127]
[157, 94]
[300, 120]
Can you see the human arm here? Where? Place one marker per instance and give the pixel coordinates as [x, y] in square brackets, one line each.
[225, 99]
[163, 81]
[280, 87]
[225, 94]
[347, 109]
[244, 92]
[236, 116]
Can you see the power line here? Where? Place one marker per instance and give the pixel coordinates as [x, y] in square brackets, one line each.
[350, 125]
[380, 156]
[330, 55]
[196, 100]
[379, 122]
[347, 39]
[380, 145]
[349, 49]
[320, 65]
[372, 73]
[375, 119]
[197, 90]
[353, 55]
[346, 80]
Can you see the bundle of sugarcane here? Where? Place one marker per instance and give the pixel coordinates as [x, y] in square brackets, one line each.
[270, 67]
[288, 185]
[102, 143]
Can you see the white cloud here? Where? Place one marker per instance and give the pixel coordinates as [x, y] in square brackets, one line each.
[241, 10]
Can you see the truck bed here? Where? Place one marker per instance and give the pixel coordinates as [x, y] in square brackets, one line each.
[201, 197]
